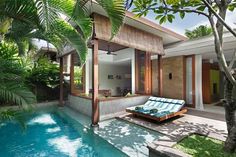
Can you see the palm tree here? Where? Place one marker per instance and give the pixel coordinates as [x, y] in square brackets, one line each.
[199, 31]
[45, 19]
[22, 20]
[13, 89]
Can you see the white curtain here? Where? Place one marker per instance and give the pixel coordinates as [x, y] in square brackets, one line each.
[189, 98]
[198, 82]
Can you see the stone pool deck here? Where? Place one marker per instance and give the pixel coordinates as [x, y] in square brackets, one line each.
[173, 130]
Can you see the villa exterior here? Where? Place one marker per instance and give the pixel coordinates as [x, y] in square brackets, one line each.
[123, 77]
[203, 80]
[143, 59]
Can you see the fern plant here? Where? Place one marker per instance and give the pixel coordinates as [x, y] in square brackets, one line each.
[13, 90]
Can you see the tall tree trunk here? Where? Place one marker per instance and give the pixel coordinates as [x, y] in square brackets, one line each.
[229, 104]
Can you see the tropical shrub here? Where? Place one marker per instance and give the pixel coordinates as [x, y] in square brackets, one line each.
[13, 89]
[45, 73]
[78, 77]
[12, 84]
[44, 79]
[8, 50]
[199, 31]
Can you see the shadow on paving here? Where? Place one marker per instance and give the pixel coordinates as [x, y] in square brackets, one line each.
[205, 114]
[178, 127]
[127, 137]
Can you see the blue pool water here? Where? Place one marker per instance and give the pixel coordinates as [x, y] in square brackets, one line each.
[50, 134]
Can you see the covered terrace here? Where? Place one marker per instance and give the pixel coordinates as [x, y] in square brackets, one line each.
[132, 48]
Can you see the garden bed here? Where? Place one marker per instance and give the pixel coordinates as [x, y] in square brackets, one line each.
[199, 146]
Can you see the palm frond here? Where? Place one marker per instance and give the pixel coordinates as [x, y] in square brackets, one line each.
[51, 37]
[66, 31]
[24, 11]
[116, 12]
[81, 17]
[85, 27]
[80, 9]
[10, 76]
[11, 114]
[63, 6]
[19, 34]
[46, 13]
[8, 114]
[10, 66]
[76, 12]
[17, 94]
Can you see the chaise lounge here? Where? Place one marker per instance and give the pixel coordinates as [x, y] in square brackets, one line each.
[159, 109]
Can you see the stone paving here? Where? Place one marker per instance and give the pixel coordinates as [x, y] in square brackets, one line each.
[200, 122]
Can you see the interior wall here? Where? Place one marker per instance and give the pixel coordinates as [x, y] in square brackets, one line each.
[215, 81]
[211, 78]
[112, 65]
[112, 84]
[128, 54]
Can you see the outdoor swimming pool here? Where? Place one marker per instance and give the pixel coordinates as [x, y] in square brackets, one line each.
[48, 134]
[57, 132]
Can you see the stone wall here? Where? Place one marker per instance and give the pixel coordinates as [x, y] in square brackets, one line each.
[172, 88]
[107, 109]
[82, 105]
[112, 108]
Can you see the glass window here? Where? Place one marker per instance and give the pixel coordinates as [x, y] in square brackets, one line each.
[78, 76]
[140, 71]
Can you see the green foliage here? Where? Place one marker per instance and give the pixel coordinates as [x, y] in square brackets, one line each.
[199, 31]
[8, 50]
[22, 20]
[4, 25]
[44, 73]
[8, 115]
[199, 146]
[164, 8]
[11, 114]
[12, 84]
[73, 37]
[13, 90]
[116, 12]
[42, 19]
[78, 76]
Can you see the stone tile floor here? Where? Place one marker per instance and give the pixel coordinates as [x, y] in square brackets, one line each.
[195, 121]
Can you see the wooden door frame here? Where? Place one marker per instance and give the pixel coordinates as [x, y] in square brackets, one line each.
[147, 73]
[160, 75]
[73, 90]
